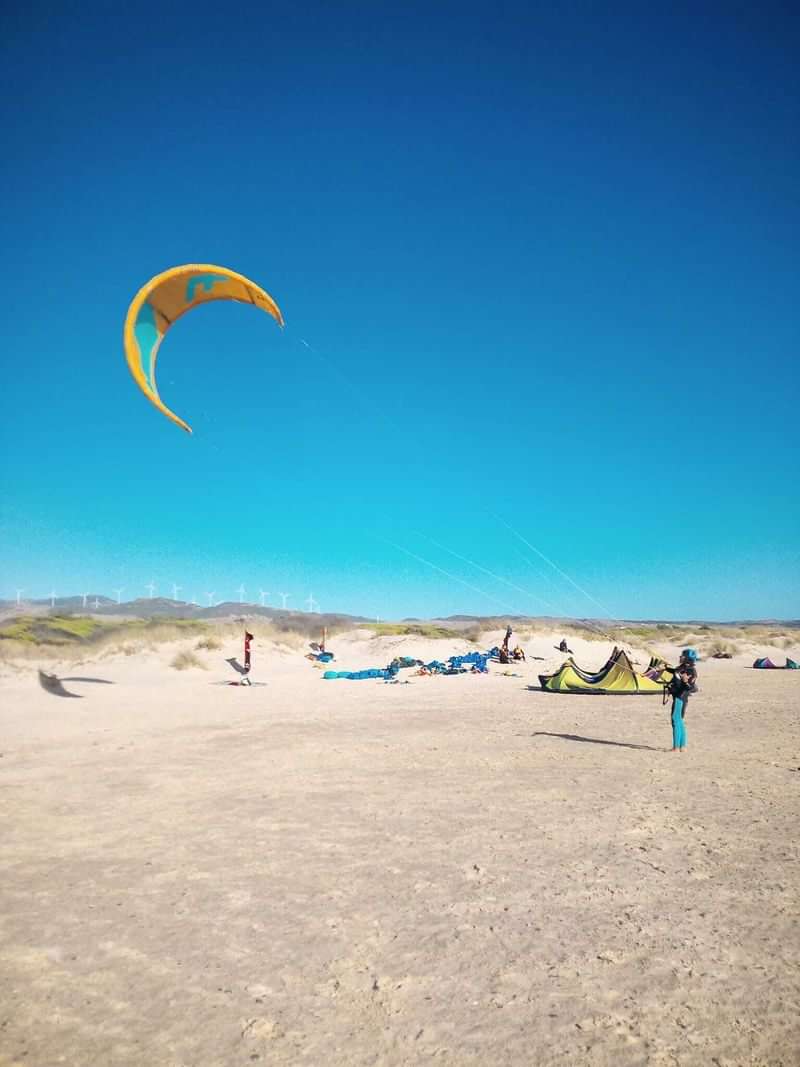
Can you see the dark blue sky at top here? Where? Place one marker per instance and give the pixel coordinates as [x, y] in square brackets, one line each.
[545, 261]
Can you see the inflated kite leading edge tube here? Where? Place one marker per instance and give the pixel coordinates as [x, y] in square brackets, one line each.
[164, 299]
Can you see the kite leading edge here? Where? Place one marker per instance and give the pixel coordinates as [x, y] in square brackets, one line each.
[164, 299]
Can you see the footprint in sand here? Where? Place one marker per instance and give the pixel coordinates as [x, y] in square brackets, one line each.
[260, 1029]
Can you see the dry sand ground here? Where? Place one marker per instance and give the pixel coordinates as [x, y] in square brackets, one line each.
[459, 869]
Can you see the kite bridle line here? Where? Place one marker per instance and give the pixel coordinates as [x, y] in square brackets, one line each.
[586, 622]
[491, 574]
[355, 391]
[452, 577]
[556, 568]
[413, 555]
[336, 372]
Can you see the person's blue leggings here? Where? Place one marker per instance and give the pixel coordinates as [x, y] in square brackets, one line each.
[678, 725]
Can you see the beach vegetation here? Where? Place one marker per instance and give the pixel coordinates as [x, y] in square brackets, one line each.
[720, 647]
[208, 644]
[420, 629]
[186, 659]
[49, 629]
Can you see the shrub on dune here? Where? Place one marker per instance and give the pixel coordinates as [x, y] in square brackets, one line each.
[184, 660]
[208, 644]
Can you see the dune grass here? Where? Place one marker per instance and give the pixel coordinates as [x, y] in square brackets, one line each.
[719, 647]
[50, 629]
[75, 636]
[186, 659]
[421, 629]
[24, 638]
[208, 644]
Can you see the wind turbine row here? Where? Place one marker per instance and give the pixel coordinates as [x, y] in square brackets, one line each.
[152, 587]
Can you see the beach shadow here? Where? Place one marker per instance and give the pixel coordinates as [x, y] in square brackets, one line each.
[595, 741]
[253, 685]
[53, 685]
[574, 692]
[237, 666]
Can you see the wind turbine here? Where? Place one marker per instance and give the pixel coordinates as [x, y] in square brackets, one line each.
[19, 594]
[284, 597]
[263, 593]
[210, 599]
[311, 602]
[175, 590]
[52, 598]
[84, 595]
[151, 586]
[241, 591]
[96, 603]
[119, 593]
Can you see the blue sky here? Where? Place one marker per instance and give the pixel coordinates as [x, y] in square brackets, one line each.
[546, 264]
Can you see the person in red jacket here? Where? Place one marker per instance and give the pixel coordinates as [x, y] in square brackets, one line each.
[248, 637]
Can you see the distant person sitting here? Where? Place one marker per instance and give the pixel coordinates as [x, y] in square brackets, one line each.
[563, 647]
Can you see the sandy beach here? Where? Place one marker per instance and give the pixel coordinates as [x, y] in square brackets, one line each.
[461, 869]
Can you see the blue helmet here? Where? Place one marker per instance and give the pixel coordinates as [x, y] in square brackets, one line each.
[690, 654]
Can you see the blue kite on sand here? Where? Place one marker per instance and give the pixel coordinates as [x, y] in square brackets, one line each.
[472, 662]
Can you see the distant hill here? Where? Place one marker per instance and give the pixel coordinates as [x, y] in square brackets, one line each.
[165, 608]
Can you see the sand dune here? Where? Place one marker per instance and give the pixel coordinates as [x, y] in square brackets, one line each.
[459, 869]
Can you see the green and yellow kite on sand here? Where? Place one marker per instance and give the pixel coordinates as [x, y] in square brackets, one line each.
[617, 676]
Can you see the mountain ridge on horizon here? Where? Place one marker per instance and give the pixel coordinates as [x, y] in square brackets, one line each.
[166, 607]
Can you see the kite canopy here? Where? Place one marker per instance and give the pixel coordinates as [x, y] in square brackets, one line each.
[657, 670]
[168, 296]
[766, 664]
[617, 676]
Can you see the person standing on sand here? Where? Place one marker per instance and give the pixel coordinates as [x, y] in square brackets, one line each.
[505, 655]
[683, 684]
[248, 637]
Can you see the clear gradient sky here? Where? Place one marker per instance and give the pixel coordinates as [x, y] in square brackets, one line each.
[546, 262]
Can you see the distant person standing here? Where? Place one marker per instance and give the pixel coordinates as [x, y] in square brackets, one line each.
[680, 688]
[248, 637]
[505, 655]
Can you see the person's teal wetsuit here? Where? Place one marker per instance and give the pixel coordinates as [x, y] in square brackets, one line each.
[678, 724]
[684, 678]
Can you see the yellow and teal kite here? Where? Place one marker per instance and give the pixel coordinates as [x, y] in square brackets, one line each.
[168, 296]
